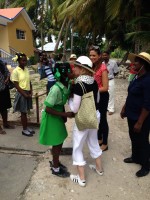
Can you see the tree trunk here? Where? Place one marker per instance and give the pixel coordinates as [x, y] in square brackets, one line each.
[71, 42]
[60, 34]
[42, 40]
[125, 57]
[138, 27]
[6, 3]
[65, 38]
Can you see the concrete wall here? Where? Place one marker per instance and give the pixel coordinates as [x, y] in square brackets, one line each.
[4, 43]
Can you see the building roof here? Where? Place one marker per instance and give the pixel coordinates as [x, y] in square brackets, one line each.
[9, 14]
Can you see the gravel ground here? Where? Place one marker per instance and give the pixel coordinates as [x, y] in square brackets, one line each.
[118, 182]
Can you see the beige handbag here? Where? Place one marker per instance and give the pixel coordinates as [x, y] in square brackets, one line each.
[86, 117]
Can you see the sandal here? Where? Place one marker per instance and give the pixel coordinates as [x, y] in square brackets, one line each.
[93, 167]
[2, 132]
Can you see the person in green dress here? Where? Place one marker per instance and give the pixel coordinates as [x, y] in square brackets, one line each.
[52, 128]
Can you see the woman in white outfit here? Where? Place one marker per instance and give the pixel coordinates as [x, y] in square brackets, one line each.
[84, 73]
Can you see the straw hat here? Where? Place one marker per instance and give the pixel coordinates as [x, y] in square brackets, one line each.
[85, 62]
[73, 56]
[143, 55]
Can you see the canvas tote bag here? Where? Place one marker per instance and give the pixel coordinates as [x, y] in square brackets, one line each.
[86, 117]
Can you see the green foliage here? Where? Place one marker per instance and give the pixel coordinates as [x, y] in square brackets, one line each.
[33, 60]
[124, 23]
[117, 53]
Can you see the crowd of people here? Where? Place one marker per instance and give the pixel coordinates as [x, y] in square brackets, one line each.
[69, 81]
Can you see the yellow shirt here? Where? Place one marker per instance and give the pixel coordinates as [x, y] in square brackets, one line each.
[22, 77]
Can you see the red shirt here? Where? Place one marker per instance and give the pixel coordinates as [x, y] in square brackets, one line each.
[132, 71]
[98, 74]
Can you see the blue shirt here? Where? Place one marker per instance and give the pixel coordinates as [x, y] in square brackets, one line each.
[138, 97]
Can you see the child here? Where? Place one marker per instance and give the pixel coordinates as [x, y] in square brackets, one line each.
[84, 73]
[52, 129]
[23, 98]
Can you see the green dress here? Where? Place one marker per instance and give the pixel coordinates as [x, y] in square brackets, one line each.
[52, 128]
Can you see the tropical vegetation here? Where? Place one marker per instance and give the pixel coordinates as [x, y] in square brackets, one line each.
[79, 23]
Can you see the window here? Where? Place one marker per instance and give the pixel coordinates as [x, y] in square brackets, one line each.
[20, 34]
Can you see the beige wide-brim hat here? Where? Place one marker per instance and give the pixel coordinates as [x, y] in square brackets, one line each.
[85, 62]
[73, 56]
[143, 55]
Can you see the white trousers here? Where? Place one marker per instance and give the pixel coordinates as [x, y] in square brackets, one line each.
[79, 138]
[111, 103]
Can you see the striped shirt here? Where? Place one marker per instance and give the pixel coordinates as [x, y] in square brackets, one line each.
[49, 74]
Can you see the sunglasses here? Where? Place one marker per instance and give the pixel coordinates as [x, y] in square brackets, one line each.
[93, 47]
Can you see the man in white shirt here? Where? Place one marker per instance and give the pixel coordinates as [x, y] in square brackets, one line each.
[113, 71]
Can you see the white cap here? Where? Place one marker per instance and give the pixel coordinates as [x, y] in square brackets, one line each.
[85, 62]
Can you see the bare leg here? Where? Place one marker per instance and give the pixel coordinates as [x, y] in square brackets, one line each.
[56, 153]
[4, 117]
[81, 173]
[24, 120]
[99, 164]
[2, 131]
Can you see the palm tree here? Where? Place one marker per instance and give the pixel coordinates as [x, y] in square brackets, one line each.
[130, 12]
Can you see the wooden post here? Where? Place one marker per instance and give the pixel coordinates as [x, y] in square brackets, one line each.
[37, 107]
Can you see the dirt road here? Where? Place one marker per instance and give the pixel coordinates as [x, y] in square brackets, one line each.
[118, 182]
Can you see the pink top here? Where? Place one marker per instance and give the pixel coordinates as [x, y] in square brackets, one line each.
[98, 74]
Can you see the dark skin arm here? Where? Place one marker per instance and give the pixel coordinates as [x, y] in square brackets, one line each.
[142, 117]
[139, 123]
[122, 113]
[57, 113]
[7, 79]
[31, 89]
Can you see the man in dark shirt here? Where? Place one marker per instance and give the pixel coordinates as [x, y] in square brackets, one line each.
[137, 111]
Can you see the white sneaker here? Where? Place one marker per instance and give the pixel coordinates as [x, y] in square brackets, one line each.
[76, 179]
[30, 130]
[93, 167]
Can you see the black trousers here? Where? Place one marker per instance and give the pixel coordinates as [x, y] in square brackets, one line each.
[140, 143]
[103, 126]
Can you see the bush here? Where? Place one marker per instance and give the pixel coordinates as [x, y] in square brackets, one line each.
[117, 53]
[33, 60]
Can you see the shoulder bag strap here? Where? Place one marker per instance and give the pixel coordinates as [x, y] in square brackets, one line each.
[83, 87]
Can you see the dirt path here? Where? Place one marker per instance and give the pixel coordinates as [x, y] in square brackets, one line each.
[119, 181]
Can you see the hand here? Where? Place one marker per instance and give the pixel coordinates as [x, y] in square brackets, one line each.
[137, 127]
[122, 113]
[27, 95]
[6, 80]
[31, 92]
[69, 114]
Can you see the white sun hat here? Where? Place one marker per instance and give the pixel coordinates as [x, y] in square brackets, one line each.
[85, 62]
[143, 55]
